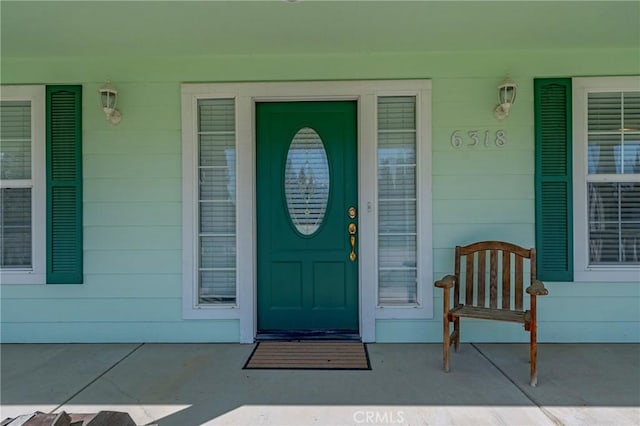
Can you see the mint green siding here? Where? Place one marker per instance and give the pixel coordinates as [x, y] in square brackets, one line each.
[132, 185]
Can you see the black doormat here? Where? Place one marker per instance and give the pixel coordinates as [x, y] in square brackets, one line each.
[309, 356]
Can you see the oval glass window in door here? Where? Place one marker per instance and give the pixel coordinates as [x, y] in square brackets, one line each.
[306, 183]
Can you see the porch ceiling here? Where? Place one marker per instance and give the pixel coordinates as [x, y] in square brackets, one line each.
[134, 28]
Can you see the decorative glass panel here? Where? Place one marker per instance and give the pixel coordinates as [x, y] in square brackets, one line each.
[217, 201]
[307, 181]
[397, 215]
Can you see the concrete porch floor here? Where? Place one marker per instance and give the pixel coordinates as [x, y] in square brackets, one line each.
[194, 384]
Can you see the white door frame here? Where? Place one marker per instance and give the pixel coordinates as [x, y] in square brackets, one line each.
[365, 93]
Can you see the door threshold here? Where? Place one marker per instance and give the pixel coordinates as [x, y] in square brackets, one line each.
[300, 335]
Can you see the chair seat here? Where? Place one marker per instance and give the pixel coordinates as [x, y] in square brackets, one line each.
[521, 317]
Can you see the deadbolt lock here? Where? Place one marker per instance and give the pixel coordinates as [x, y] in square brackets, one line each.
[352, 212]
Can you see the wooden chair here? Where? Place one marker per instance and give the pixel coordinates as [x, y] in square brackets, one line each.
[502, 300]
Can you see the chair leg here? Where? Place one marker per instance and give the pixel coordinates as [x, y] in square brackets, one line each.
[456, 330]
[534, 344]
[534, 355]
[446, 343]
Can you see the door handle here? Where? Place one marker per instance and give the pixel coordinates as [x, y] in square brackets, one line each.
[352, 239]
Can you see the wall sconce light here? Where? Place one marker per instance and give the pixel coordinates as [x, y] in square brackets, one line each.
[506, 97]
[109, 99]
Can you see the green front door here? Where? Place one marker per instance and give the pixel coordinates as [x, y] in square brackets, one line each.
[306, 186]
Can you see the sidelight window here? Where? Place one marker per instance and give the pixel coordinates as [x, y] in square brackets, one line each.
[397, 201]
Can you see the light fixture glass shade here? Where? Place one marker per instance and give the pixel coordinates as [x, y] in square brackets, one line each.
[506, 98]
[507, 91]
[109, 99]
[507, 94]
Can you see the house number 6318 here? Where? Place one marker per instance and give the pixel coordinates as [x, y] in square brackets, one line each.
[476, 138]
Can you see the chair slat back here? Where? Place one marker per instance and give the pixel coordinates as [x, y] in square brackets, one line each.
[507, 264]
[482, 270]
[493, 277]
[506, 280]
[519, 283]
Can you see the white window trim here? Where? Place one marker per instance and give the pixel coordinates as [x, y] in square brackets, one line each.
[246, 96]
[37, 273]
[582, 270]
[190, 252]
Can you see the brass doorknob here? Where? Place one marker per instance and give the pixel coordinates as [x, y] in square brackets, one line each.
[352, 240]
[352, 229]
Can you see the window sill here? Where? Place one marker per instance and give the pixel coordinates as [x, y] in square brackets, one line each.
[404, 312]
[608, 274]
[22, 278]
[211, 312]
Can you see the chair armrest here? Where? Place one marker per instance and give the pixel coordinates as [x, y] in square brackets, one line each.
[446, 282]
[537, 289]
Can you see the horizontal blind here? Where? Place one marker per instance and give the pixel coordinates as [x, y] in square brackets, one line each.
[613, 201]
[15, 228]
[614, 223]
[15, 196]
[217, 201]
[614, 133]
[397, 212]
[15, 131]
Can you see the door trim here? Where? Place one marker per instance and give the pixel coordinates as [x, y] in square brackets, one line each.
[365, 93]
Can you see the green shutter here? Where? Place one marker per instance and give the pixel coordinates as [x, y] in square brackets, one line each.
[554, 216]
[64, 184]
